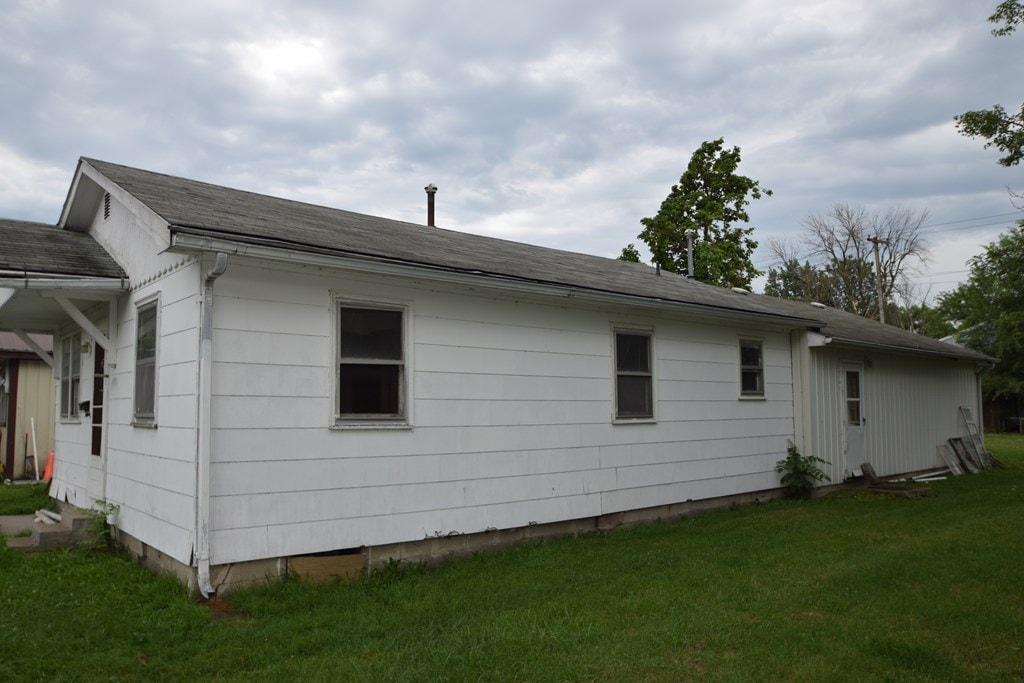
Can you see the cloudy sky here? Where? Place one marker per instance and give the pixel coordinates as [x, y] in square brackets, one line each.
[553, 123]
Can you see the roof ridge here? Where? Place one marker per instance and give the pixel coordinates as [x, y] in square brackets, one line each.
[219, 186]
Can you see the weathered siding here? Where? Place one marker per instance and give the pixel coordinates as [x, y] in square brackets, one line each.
[149, 472]
[511, 411]
[910, 403]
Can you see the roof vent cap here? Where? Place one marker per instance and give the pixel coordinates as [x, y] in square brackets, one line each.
[740, 290]
[818, 304]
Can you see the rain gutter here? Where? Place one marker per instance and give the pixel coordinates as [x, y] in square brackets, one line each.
[187, 242]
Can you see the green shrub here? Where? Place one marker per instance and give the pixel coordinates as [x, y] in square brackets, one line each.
[800, 473]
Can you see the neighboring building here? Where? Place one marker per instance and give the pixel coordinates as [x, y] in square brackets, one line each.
[272, 379]
[26, 400]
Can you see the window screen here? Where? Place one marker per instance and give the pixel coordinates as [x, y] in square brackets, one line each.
[371, 363]
[634, 380]
[751, 369]
[145, 362]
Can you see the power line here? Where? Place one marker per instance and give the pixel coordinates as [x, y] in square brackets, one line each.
[962, 227]
[968, 220]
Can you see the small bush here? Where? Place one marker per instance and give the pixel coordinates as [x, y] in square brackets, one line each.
[99, 530]
[800, 473]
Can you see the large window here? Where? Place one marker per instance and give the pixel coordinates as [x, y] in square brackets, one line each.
[634, 379]
[145, 362]
[371, 363]
[70, 374]
[751, 368]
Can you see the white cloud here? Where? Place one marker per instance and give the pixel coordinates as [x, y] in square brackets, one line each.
[35, 190]
[556, 123]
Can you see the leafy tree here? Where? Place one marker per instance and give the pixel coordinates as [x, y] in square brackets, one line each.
[707, 204]
[841, 269]
[923, 319]
[988, 312]
[1011, 14]
[629, 253]
[799, 282]
[1003, 130]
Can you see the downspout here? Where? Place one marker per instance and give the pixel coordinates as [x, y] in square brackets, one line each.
[205, 433]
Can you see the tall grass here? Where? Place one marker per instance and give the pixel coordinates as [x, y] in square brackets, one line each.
[851, 587]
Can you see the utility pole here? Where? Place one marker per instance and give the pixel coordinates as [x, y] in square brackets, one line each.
[878, 276]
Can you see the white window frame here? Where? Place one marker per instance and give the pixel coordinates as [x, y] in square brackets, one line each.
[760, 369]
[401, 420]
[145, 419]
[647, 332]
[70, 347]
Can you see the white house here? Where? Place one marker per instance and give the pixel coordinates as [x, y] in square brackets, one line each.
[271, 380]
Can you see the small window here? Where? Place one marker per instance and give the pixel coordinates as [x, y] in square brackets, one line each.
[853, 417]
[70, 374]
[751, 368]
[145, 362]
[371, 363]
[634, 380]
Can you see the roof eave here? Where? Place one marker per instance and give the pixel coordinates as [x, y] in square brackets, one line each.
[186, 239]
[70, 282]
[951, 355]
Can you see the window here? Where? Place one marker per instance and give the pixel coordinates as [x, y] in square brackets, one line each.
[751, 368]
[70, 374]
[634, 380]
[853, 417]
[371, 363]
[145, 362]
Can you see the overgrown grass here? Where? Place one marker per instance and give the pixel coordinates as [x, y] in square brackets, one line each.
[851, 587]
[24, 499]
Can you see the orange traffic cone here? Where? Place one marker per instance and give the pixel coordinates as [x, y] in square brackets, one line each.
[48, 474]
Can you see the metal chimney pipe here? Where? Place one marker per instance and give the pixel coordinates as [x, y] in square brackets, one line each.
[431, 190]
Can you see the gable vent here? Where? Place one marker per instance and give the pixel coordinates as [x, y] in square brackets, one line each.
[106, 206]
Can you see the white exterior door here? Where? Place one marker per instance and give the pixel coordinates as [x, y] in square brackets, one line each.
[853, 417]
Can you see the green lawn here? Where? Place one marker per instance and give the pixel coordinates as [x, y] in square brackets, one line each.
[850, 587]
[24, 499]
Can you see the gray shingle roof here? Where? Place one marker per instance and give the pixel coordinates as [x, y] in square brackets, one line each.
[200, 208]
[46, 249]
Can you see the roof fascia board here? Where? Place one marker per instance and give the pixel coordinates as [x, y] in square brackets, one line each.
[101, 287]
[194, 243]
[65, 210]
[83, 220]
[31, 343]
[838, 342]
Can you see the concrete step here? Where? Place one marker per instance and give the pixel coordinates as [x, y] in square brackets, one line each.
[23, 533]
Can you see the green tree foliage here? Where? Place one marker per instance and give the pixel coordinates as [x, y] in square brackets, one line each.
[1002, 129]
[799, 282]
[1011, 14]
[630, 254]
[988, 312]
[710, 204]
[920, 318]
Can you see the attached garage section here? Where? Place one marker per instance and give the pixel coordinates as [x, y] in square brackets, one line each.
[889, 409]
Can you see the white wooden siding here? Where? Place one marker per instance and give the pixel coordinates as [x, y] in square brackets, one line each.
[910, 404]
[511, 423]
[149, 473]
